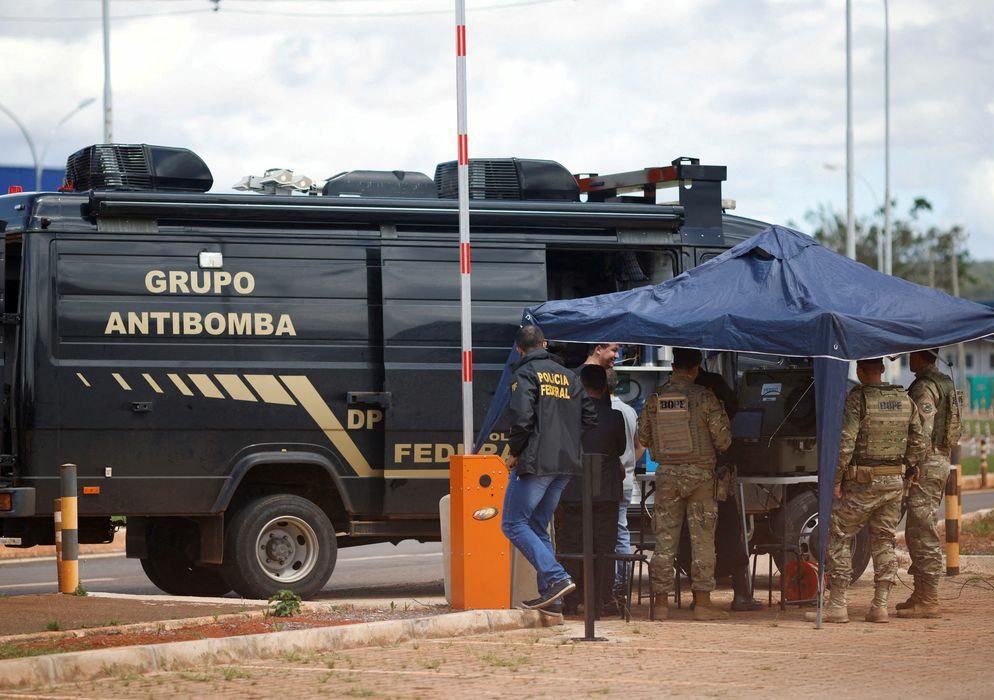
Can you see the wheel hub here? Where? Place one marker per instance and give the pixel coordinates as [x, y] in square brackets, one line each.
[287, 549]
[278, 548]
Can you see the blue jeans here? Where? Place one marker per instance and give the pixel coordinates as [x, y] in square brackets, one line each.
[624, 545]
[529, 504]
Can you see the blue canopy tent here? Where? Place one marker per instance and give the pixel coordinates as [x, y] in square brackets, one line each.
[779, 293]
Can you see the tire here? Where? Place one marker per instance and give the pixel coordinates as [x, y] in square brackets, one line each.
[172, 546]
[279, 542]
[801, 513]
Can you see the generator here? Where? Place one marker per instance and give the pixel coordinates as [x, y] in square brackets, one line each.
[774, 431]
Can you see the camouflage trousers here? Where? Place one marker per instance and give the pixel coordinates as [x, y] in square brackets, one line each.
[684, 491]
[922, 530]
[877, 504]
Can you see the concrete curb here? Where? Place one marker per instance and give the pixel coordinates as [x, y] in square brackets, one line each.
[100, 663]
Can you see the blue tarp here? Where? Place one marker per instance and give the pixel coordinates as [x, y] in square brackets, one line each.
[782, 293]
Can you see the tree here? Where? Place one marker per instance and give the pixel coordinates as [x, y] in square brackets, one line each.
[921, 254]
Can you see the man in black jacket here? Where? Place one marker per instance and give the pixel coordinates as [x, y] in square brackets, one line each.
[549, 413]
[608, 439]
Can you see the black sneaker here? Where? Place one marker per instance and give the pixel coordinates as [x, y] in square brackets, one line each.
[554, 608]
[556, 591]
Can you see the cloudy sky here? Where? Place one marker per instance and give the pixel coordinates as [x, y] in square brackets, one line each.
[322, 86]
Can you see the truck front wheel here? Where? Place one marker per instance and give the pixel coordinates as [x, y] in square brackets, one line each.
[279, 542]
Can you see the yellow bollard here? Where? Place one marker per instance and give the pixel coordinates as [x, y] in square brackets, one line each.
[69, 580]
[983, 463]
[57, 515]
[952, 518]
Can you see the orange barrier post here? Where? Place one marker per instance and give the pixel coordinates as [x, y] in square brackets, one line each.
[481, 555]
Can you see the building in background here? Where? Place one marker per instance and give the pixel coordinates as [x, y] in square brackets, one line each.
[23, 176]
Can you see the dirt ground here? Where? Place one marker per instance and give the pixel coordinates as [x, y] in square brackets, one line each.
[31, 614]
[226, 625]
[766, 654]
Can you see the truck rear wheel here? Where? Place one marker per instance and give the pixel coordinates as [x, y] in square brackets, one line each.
[170, 564]
[279, 542]
[802, 517]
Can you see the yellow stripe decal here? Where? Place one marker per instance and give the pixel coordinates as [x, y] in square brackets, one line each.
[120, 380]
[207, 387]
[416, 474]
[180, 384]
[269, 388]
[235, 387]
[83, 379]
[151, 382]
[322, 414]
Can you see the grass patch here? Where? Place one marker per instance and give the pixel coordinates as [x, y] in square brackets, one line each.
[230, 673]
[52, 625]
[199, 677]
[971, 465]
[513, 662]
[9, 650]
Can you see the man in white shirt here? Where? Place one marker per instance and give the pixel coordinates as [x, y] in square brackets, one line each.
[633, 453]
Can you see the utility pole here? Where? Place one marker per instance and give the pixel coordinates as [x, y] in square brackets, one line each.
[850, 221]
[888, 241]
[960, 349]
[108, 110]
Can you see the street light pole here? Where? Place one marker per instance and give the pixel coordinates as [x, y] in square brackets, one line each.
[108, 112]
[850, 223]
[888, 241]
[40, 164]
[27, 136]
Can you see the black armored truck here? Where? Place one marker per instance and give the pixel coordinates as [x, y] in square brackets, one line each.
[256, 379]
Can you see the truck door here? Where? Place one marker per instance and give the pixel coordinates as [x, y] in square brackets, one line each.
[422, 356]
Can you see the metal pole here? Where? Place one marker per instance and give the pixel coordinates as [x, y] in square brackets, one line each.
[960, 348]
[465, 290]
[589, 577]
[44, 149]
[850, 222]
[108, 110]
[27, 136]
[889, 242]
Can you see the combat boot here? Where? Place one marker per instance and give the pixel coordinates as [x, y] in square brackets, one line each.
[660, 607]
[878, 607]
[837, 609]
[927, 604]
[704, 610]
[913, 598]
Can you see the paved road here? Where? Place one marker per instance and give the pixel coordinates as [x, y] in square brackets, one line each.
[362, 572]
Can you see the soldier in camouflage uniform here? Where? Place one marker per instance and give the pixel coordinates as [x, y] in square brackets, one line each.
[935, 396]
[881, 436]
[684, 426]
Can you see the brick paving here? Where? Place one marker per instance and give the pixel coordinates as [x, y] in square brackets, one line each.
[766, 654]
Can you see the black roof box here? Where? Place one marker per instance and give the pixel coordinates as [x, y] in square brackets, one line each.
[509, 178]
[380, 183]
[137, 167]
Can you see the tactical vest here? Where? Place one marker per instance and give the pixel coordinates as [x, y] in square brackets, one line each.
[678, 429]
[946, 427]
[883, 433]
